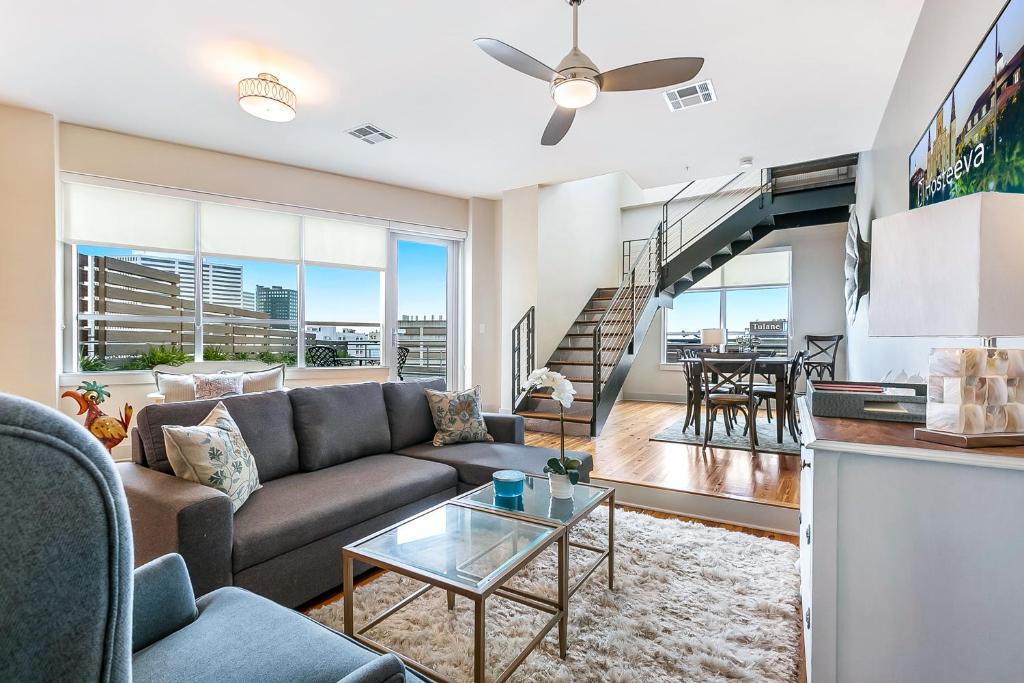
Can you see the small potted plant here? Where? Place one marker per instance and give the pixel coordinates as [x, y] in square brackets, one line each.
[563, 472]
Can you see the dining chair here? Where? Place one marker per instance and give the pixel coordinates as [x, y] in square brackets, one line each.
[691, 375]
[402, 356]
[727, 380]
[765, 394]
[820, 358]
[321, 356]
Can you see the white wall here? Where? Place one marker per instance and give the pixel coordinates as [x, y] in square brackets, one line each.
[578, 247]
[947, 33]
[28, 258]
[818, 305]
[482, 284]
[517, 234]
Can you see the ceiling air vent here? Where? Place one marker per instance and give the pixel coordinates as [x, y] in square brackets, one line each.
[370, 134]
[690, 96]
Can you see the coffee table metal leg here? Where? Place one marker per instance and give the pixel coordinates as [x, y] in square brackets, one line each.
[479, 640]
[346, 570]
[451, 601]
[563, 592]
[611, 541]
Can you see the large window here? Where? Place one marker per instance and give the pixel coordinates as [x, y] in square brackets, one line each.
[274, 285]
[748, 297]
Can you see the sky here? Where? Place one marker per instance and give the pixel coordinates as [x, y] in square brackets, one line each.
[348, 295]
[698, 309]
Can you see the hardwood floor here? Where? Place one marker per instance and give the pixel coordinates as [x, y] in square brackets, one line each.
[625, 453]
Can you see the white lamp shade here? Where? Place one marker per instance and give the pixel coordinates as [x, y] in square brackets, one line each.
[712, 336]
[952, 269]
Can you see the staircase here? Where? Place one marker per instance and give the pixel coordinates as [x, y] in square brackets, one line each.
[703, 226]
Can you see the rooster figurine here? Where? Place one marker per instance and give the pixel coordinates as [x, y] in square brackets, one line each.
[108, 429]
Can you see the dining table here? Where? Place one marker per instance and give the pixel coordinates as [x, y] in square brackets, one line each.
[776, 367]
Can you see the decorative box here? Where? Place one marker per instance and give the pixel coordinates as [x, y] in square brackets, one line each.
[893, 401]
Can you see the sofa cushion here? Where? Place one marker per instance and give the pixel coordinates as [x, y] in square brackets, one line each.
[476, 462]
[339, 423]
[241, 637]
[294, 511]
[408, 411]
[265, 421]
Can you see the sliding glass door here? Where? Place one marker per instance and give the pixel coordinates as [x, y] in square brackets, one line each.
[423, 308]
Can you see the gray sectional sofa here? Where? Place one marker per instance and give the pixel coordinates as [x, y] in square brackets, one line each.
[336, 463]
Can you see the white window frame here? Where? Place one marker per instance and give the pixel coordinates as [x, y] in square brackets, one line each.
[665, 365]
[449, 236]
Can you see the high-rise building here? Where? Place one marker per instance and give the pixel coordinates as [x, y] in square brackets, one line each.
[222, 282]
[249, 300]
[281, 303]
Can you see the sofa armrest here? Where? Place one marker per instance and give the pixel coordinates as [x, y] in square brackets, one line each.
[171, 515]
[506, 428]
[163, 601]
[387, 668]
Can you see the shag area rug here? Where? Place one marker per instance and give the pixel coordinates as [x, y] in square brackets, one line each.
[738, 441]
[691, 603]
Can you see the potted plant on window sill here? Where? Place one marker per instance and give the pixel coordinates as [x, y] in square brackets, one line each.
[563, 473]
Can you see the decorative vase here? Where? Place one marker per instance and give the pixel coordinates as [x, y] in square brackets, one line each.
[561, 487]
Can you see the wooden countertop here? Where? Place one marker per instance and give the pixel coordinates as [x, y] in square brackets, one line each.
[896, 439]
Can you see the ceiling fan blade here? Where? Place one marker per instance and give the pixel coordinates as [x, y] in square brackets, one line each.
[517, 59]
[557, 126]
[659, 73]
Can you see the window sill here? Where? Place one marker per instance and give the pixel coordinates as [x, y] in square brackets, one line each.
[139, 377]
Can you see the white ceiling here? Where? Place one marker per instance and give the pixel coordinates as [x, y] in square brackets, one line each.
[796, 80]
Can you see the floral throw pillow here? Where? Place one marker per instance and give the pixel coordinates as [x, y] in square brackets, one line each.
[218, 386]
[213, 453]
[457, 416]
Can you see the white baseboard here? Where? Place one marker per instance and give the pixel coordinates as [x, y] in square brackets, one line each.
[711, 508]
[656, 398]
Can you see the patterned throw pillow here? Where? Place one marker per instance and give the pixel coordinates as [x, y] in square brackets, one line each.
[213, 453]
[218, 386]
[457, 416]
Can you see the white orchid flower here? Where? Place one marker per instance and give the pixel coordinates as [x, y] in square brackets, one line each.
[562, 389]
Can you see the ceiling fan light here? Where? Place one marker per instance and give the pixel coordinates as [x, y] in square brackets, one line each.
[574, 93]
[265, 98]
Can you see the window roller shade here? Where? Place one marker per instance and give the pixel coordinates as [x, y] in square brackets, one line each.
[235, 231]
[343, 243]
[122, 218]
[751, 270]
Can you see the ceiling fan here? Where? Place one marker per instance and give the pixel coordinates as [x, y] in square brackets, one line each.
[576, 82]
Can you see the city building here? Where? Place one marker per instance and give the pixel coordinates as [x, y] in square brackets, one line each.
[222, 282]
[280, 303]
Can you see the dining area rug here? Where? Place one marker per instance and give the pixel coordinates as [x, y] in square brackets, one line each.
[738, 441]
[691, 603]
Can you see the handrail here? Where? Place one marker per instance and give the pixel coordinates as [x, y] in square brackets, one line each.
[731, 188]
[525, 324]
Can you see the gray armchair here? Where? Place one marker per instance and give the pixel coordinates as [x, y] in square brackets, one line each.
[72, 609]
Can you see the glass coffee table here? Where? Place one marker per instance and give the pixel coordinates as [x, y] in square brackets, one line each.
[536, 504]
[465, 550]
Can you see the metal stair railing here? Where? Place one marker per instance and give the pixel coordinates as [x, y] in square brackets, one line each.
[616, 329]
[701, 212]
[523, 363]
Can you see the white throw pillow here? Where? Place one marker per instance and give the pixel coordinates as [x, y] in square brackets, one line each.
[213, 453]
[175, 387]
[270, 379]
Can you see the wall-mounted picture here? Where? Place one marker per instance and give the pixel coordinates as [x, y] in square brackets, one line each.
[975, 141]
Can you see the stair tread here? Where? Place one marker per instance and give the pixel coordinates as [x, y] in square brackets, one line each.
[581, 399]
[537, 415]
[583, 363]
[603, 334]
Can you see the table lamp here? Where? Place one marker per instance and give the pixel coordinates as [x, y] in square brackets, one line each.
[713, 336]
[952, 269]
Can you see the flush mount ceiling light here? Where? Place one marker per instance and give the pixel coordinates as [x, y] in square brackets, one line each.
[265, 98]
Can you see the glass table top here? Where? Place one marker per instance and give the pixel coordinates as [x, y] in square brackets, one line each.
[536, 500]
[464, 545]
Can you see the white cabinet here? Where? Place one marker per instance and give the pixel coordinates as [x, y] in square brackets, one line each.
[911, 561]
